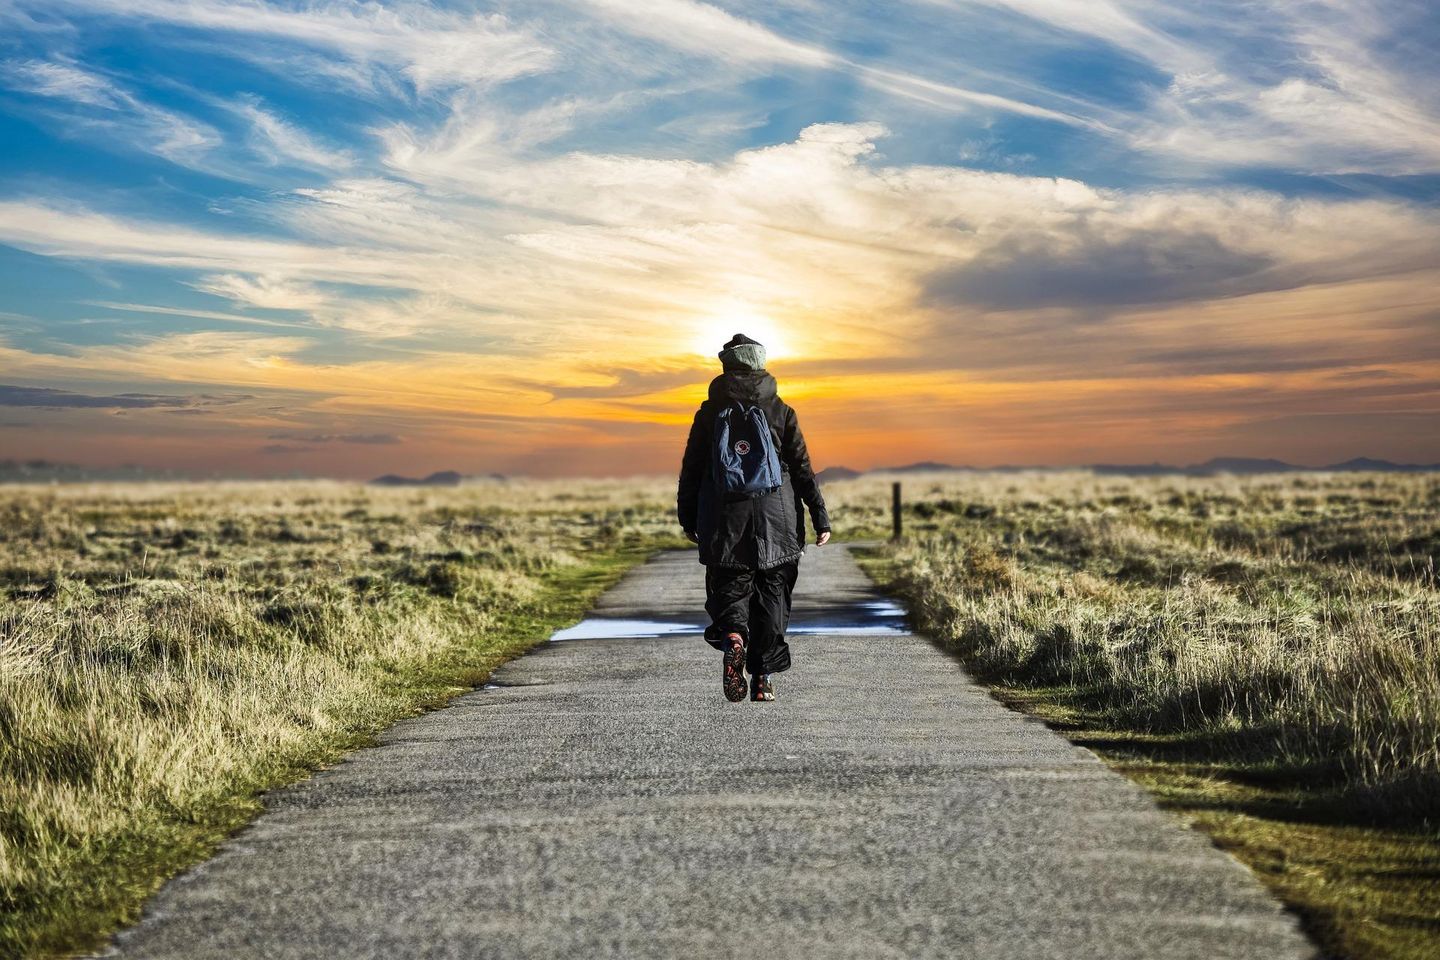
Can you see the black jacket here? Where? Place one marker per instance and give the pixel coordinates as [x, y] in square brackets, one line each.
[762, 532]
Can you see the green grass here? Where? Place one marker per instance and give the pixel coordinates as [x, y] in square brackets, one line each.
[1263, 654]
[167, 654]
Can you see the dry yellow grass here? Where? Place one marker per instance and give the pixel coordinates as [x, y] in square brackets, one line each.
[1304, 609]
[166, 651]
[1263, 653]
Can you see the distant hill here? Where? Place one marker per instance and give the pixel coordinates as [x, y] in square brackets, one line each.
[924, 466]
[1135, 469]
[832, 474]
[1241, 465]
[49, 471]
[1211, 467]
[442, 478]
[1387, 466]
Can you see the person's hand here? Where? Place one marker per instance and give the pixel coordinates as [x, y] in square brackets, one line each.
[692, 536]
[822, 538]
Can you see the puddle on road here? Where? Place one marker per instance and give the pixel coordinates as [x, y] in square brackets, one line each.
[872, 617]
[878, 617]
[601, 628]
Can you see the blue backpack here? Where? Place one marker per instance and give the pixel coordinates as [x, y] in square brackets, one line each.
[746, 464]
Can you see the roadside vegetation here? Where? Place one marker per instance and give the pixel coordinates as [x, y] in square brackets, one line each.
[1262, 653]
[167, 652]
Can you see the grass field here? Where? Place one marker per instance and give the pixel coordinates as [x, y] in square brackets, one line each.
[1263, 653]
[167, 652]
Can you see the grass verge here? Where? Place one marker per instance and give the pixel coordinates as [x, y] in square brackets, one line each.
[1364, 890]
[106, 886]
[168, 654]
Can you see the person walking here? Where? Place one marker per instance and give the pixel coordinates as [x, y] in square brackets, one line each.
[744, 483]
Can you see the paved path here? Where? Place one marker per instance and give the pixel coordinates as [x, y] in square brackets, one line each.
[603, 800]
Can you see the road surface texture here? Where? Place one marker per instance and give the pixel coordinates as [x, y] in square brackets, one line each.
[601, 799]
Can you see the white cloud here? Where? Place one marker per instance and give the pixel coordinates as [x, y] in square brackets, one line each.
[107, 111]
[432, 48]
[55, 230]
[568, 176]
[189, 312]
[1311, 87]
[1334, 104]
[266, 292]
[704, 30]
[63, 80]
[583, 244]
[1107, 20]
[281, 141]
[708, 31]
[958, 290]
[398, 317]
[1297, 124]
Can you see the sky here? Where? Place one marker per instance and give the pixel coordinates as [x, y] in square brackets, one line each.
[283, 237]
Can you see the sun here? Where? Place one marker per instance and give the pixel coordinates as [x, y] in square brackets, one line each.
[714, 329]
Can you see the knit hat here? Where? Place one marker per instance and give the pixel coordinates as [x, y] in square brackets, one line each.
[743, 353]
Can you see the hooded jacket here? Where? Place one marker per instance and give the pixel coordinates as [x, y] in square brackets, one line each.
[760, 532]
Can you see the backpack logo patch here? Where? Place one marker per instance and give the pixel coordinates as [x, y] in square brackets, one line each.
[742, 447]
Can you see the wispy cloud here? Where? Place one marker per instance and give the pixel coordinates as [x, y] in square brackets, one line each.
[1106, 20]
[441, 218]
[661, 234]
[705, 30]
[368, 439]
[1316, 87]
[16, 396]
[193, 313]
[432, 48]
[281, 141]
[267, 291]
[1330, 97]
[116, 114]
[76, 232]
[1009, 276]
[62, 80]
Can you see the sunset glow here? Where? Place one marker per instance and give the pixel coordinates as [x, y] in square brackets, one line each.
[281, 237]
[716, 329]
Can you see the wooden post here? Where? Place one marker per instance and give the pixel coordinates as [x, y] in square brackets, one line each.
[895, 508]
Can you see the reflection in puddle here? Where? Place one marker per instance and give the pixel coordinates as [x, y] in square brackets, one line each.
[849, 629]
[871, 617]
[600, 628]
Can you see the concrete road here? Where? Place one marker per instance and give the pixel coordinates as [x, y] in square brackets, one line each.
[602, 799]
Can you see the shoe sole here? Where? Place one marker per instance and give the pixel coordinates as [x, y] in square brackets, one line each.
[734, 676]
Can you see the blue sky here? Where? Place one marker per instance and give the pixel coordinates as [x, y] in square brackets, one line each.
[504, 236]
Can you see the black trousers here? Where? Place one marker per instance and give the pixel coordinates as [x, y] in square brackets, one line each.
[756, 605]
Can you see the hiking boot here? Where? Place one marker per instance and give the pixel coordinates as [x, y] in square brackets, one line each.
[761, 687]
[734, 676]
